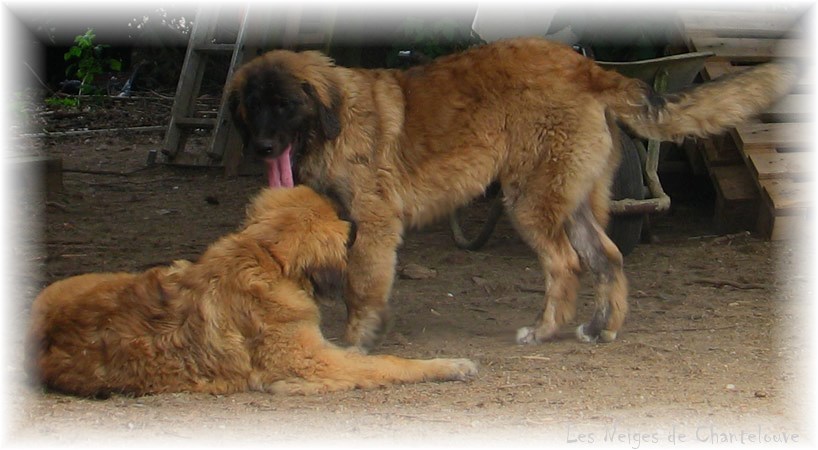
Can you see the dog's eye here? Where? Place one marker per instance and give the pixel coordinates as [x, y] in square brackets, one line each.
[287, 105]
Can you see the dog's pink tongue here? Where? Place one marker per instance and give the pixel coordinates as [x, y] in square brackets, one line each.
[280, 170]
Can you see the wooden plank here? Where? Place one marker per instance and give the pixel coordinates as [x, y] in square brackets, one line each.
[777, 228]
[226, 144]
[789, 207]
[750, 49]
[195, 122]
[717, 69]
[777, 153]
[737, 198]
[209, 47]
[770, 136]
[190, 80]
[775, 165]
[736, 23]
[789, 197]
[792, 108]
[734, 183]
[720, 151]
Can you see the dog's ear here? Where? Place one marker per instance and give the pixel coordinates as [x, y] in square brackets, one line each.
[238, 113]
[327, 114]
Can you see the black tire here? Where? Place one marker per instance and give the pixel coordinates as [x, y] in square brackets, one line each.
[487, 227]
[626, 230]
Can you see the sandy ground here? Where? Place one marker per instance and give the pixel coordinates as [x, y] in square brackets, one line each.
[710, 352]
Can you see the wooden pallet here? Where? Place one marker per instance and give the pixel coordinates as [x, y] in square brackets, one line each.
[760, 170]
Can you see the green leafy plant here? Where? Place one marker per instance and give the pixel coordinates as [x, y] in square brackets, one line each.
[68, 102]
[90, 61]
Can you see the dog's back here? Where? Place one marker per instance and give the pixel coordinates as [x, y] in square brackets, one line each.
[93, 334]
[65, 345]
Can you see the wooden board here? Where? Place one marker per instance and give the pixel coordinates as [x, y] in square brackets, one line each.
[720, 151]
[749, 50]
[775, 165]
[739, 24]
[734, 183]
[718, 68]
[737, 198]
[790, 197]
[792, 108]
[777, 228]
[773, 136]
[789, 208]
[776, 148]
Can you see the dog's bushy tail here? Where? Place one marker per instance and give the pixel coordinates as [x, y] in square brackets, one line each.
[705, 109]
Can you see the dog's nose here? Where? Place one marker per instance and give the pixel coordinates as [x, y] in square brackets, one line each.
[264, 147]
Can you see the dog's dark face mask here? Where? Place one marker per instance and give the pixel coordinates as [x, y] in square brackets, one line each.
[279, 118]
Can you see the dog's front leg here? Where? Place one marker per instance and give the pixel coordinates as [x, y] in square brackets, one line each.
[371, 271]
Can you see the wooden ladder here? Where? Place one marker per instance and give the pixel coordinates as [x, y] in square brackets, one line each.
[289, 28]
[201, 47]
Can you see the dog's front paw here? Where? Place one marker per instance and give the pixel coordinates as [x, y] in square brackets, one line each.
[461, 369]
[446, 369]
[366, 329]
[526, 336]
[531, 335]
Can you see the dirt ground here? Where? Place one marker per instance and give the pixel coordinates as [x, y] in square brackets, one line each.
[710, 352]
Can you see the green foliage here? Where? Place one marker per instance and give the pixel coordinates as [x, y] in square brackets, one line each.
[69, 102]
[434, 39]
[89, 61]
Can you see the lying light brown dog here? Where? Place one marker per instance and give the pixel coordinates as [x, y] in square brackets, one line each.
[241, 318]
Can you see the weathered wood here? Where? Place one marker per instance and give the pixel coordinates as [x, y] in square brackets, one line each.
[788, 211]
[776, 165]
[740, 23]
[746, 50]
[790, 197]
[190, 81]
[769, 136]
[54, 134]
[775, 148]
[737, 199]
[792, 108]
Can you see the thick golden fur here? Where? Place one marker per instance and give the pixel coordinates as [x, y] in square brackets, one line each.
[403, 148]
[241, 318]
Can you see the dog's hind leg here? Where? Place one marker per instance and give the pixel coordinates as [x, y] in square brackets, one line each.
[602, 258]
[561, 266]
[542, 197]
[537, 218]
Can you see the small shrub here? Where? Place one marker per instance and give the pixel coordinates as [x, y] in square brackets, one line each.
[89, 61]
[68, 102]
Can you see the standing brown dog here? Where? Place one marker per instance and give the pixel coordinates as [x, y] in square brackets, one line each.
[241, 318]
[403, 148]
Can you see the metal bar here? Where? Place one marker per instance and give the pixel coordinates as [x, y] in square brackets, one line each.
[658, 201]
